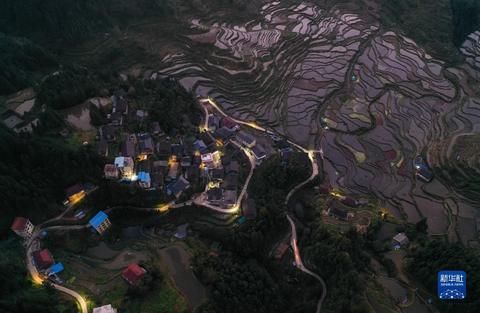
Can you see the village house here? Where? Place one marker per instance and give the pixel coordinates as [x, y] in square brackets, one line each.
[339, 214]
[215, 195]
[249, 208]
[156, 129]
[133, 273]
[207, 140]
[116, 119]
[216, 174]
[43, 259]
[232, 167]
[173, 169]
[229, 124]
[213, 122]
[259, 153]
[27, 126]
[200, 146]
[400, 240]
[223, 134]
[110, 171]
[186, 161]
[102, 148]
[105, 309]
[125, 165]
[22, 227]
[164, 149]
[145, 144]
[100, 222]
[229, 197]
[141, 115]
[75, 193]
[246, 139]
[348, 201]
[181, 232]
[144, 180]
[212, 160]
[129, 146]
[108, 133]
[120, 104]
[11, 119]
[176, 188]
[230, 182]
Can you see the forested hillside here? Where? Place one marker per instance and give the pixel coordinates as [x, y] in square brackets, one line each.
[21, 61]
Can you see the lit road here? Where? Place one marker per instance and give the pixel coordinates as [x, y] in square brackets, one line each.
[315, 171]
[300, 266]
[32, 243]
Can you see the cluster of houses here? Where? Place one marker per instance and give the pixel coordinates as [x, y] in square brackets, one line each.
[42, 258]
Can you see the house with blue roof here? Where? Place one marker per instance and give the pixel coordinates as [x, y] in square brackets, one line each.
[56, 268]
[144, 180]
[100, 222]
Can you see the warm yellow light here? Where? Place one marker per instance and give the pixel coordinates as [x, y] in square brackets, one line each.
[336, 194]
[142, 157]
[197, 153]
[219, 142]
[77, 197]
[163, 207]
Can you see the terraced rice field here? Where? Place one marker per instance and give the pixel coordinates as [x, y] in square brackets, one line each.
[370, 99]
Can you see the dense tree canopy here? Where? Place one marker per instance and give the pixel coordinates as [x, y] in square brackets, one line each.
[169, 104]
[67, 87]
[427, 260]
[238, 286]
[340, 258]
[36, 170]
[20, 61]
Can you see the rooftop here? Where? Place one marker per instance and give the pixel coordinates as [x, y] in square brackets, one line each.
[133, 273]
[19, 223]
[98, 219]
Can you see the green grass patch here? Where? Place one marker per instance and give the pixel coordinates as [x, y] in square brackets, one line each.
[166, 300]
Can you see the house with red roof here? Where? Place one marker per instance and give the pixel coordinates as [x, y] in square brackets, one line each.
[43, 259]
[22, 227]
[133, 273]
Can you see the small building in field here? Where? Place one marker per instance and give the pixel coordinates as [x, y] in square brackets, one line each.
[22, 227]
[400, 240]
[100, 222]
[133, 273]
[43, 259]
[75, 193]
[181, 232]
[105, 309]
[110, 171]
[129, 146]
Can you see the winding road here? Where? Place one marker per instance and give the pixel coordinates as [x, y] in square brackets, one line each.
[315, 171]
